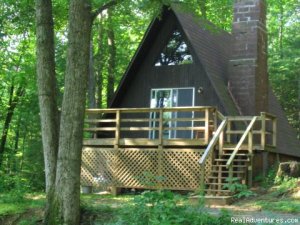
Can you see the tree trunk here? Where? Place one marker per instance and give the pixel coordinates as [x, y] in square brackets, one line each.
[281, 28]
[67, 192]
[100, 63]
[111, 60]
[47, 91]
[203, 8]
[92, 80]
[12, 104]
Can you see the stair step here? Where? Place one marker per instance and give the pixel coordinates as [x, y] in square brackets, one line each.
[222, 171]
[231, 150]
[235, 160]
[213, 177]
[234, 166]
[215, 190]
[221, 184]
[228, 154]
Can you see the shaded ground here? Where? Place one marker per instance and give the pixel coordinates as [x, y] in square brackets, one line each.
[103, 208]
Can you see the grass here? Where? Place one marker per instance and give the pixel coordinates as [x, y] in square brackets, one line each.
[8, 205]
[287, 205]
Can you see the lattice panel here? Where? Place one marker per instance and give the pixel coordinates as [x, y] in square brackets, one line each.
[181, 169]
[97, 166]
[136, 167]
[140, 168]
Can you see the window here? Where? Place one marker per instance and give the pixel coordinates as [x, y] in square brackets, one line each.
[176, 52]
[167, 98]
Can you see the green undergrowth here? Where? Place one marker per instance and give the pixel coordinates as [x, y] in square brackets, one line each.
[11, 203]
[287, 205]
[150, 207]
[279, 195]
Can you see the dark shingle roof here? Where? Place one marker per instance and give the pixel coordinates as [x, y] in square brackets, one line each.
[287, 142]
[212, 46]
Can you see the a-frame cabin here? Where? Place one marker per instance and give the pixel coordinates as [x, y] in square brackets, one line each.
[193, 109]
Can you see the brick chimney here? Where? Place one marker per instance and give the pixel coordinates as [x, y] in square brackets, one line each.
[248, 79]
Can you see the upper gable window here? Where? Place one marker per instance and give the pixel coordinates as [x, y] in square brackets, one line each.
[176, 52]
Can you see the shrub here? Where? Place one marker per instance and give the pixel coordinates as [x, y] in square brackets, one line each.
[240, 190]
[166, 208]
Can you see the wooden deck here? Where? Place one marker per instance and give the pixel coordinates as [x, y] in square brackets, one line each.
[162, 147]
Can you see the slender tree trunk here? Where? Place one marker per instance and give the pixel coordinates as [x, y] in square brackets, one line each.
[92, 80]
[12, 104]
[67, 192]
[203, 8]
[100, 63]
[281, 28]
[111, 60]
[47, 92]
[16, 147]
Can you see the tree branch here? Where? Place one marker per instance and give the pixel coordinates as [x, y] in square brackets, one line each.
[104, 7]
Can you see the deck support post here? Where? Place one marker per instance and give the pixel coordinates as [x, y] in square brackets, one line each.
[202, 180]
[230, 169]
[114, 189]
[263, 131]
[250, 147]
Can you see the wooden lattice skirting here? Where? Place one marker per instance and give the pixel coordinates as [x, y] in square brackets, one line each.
[176, 169]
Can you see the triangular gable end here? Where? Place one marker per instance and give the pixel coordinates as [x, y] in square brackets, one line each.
[189, 42]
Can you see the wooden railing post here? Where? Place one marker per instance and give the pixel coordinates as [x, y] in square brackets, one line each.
[263, 131]
[221, 142]
[118, 124]
[206, 134]
[161, 128]
[160, 147]
[228, 131]
[215, 119]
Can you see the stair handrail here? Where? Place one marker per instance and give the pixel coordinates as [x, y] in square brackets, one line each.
[213, 141]
[209, 148]
[243, 138]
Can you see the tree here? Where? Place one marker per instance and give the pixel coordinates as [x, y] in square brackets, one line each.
[111, 59]
[63, 157]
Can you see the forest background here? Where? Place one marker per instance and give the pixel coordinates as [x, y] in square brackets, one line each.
[116, 35]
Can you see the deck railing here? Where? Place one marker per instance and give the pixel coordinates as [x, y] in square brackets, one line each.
[150, 126]
[181, 126]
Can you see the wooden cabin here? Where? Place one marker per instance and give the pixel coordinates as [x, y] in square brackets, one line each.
[193, 109]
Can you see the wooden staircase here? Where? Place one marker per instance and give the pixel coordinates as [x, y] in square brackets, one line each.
[220, 175]
[231, 153]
